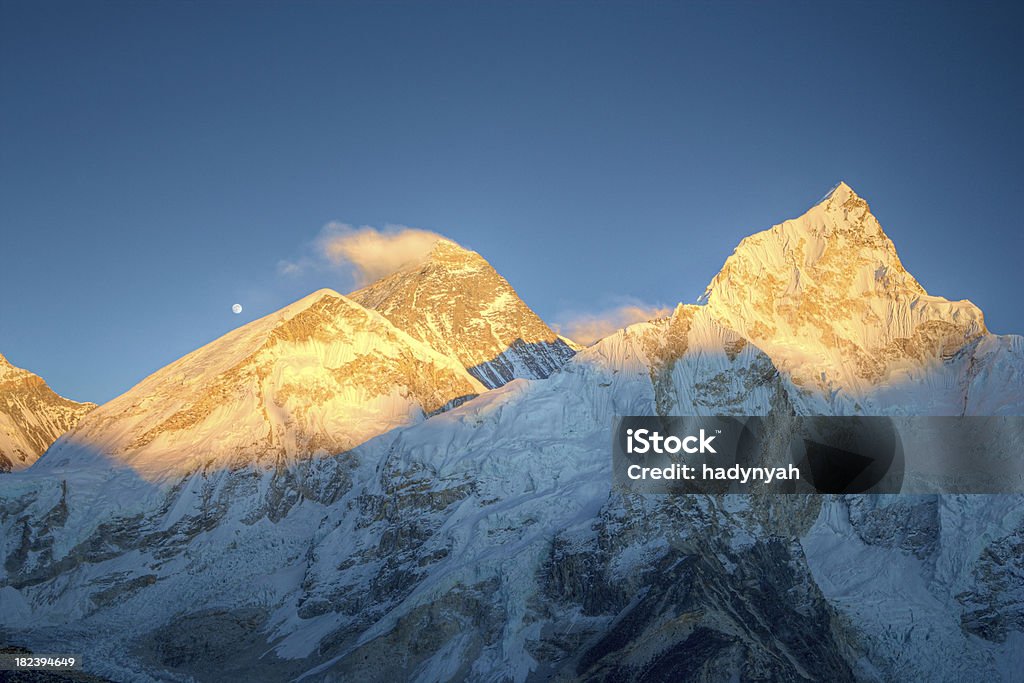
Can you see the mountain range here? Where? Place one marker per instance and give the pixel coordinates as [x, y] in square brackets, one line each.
[412, 482]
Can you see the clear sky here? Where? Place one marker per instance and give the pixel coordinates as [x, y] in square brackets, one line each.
[159, 160]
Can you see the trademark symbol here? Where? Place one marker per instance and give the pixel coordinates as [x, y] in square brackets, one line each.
[718, 431]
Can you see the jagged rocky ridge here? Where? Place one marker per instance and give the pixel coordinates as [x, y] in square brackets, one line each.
[32, 416]
[485, 543]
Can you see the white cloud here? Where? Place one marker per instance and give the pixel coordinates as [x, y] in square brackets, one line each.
[374, 253]
[290, 267]
[591, 327]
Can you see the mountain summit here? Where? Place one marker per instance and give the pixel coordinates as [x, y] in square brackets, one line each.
[826, 296]
[321, 375]
[456, 303]
[32, 416]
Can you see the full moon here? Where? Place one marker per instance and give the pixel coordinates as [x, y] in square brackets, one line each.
[236, 309]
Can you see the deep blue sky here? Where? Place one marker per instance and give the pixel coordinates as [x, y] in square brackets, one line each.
[158, 159]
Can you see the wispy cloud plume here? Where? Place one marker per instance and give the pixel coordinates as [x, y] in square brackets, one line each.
[366, 252]
[291, 267]
[374, 253]
[591, 327]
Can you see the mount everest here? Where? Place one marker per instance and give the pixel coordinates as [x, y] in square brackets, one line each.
[32, 416]
[455, 302]
[413, 483]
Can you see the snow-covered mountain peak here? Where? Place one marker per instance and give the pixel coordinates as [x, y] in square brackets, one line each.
[840, 193]
[827, 297]
[841, 210]
[322, 313]
[451, 257]
[456, 302]
[849, 211]
[32, 416]
[319, 376]
[8, 370]
[446, 248]
[693, 363]
[310, 298]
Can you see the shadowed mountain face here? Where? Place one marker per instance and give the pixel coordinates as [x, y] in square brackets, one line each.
[456, 303]
[32, 416]
[387, 540]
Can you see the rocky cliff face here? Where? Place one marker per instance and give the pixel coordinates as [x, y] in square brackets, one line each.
[456, 303]
[486, 542]
[32, 416]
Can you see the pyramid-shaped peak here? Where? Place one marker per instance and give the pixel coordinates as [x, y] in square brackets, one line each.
[326, 291]
[444, 244]
[842, 191]
[459, 305]
[836, 244]
[319, 298]
[842, 196]
[9, 369]
[826, 292]
[446, 250]
[309, 300]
